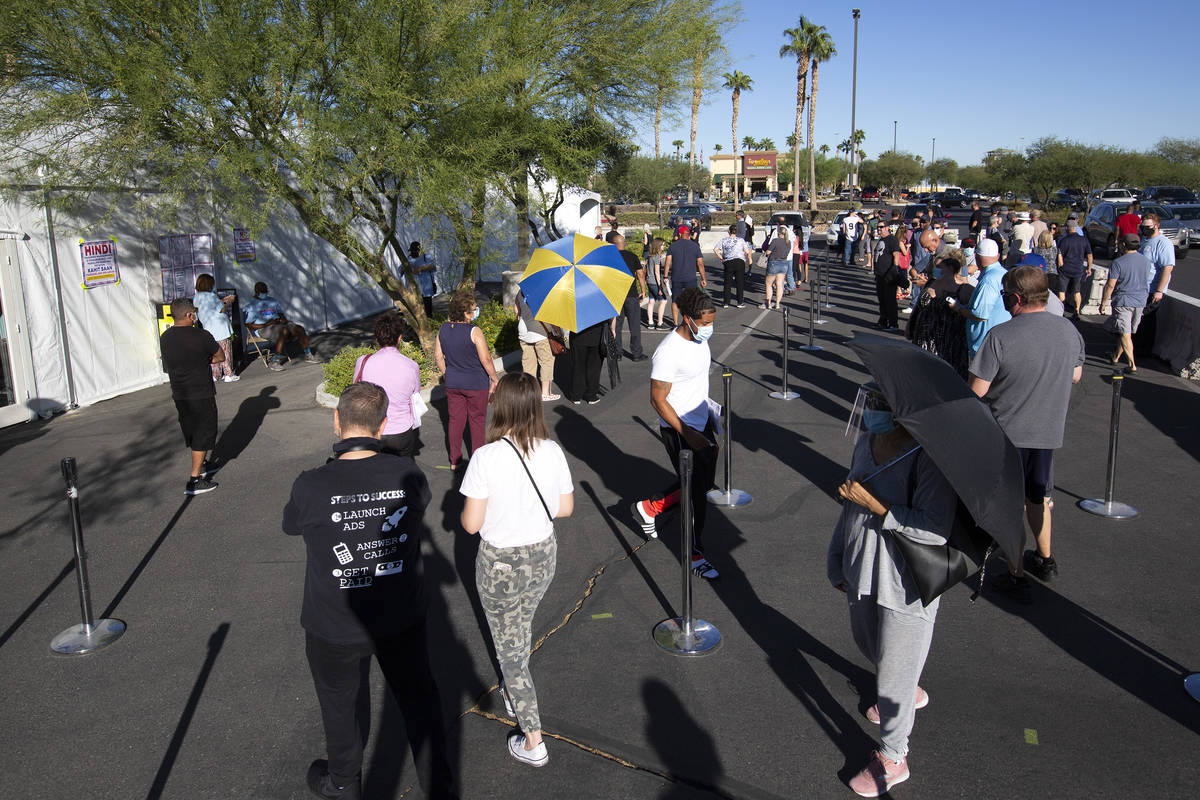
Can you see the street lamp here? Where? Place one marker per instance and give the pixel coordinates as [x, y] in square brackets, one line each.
[894, 124]
[932, 158]
[853, 102]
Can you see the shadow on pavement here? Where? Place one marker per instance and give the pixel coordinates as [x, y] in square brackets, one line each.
[37, 601]
[633, 557]
[215, 642]
[137, 571]
[1110, 652]
[242, 429]
[687, 751]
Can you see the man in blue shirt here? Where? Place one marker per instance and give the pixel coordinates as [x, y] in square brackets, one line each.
[1127, 287]
[264, 318]
[986, 309]
[1161, 253]
[424, 269]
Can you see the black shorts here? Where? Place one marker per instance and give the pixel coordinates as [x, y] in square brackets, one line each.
[198, 421]
[1054, 282]
[1070, 284]
[1038, 465]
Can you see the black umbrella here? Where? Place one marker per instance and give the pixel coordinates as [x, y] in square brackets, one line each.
[960, 434]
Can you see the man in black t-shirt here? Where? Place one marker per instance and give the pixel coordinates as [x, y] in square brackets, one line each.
[631, 309]
[361, 516]
[187, 353]
[684, 261]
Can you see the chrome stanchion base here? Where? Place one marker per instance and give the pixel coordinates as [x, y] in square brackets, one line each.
[812, 348]
[1192, 684]
[670, 636]
[1114, 510]
[731, 499]
[788, 395]
[81, 639]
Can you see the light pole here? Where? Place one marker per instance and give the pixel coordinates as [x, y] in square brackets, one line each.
[853, 102]
[932, 158]
[894, 124]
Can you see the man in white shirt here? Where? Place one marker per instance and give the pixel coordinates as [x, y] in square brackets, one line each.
[735, 255]
[679, 393]
[852, 228]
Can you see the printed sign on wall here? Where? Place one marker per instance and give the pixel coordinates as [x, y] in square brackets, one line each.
[243, 246]
[99, 260]
[182, 258]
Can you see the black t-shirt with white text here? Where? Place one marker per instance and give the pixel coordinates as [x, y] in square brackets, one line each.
[633, 263]
[361, 520]
[187, 357]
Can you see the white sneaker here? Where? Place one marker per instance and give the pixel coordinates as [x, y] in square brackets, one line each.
[906, 310]
[701, 568]
[537, 757]
[232, 378]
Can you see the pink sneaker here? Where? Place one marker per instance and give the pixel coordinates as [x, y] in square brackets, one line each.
[879, 775]
[922, 701]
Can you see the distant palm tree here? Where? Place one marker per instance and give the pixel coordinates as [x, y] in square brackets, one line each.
[749, 143]
[677, 144]
[766, 144]
[737, 82]
[821, 49]
[791, 141]
[799, 46]
[717, 147]
[824, 149]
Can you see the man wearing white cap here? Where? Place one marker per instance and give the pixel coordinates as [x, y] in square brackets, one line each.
[986, 309]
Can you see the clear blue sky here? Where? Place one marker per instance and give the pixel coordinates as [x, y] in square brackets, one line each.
[974, 76]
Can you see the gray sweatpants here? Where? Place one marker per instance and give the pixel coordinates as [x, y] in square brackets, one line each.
[511, 583]
[897, 645]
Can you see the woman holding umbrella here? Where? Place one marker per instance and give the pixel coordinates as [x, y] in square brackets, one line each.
[893, 490]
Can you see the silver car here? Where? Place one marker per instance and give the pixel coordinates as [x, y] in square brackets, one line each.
[1100, 226]
[1188, 215]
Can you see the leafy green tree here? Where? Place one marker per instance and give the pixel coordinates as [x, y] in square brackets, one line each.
[896, 170]
[941, 172]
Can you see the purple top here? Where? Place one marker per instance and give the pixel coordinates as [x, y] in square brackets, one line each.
[399, 376]
[463, 369]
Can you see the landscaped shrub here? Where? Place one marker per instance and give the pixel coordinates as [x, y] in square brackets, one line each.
[339, 370]
[499, 326]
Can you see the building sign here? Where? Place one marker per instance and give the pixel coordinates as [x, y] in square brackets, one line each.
[182, 257]
[99, 260]
[243, 246]
[758, 163]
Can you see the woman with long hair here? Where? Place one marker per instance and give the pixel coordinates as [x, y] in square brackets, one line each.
[779, 261]
[399, 376]
[659, 289]
[461, 354]
[213, 313]
[515, 487]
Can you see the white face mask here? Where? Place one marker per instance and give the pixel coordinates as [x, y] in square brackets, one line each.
[475, 313]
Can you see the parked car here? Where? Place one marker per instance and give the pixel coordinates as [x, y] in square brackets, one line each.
[1188, 215]
[1067, 198]
[951, 198]
[766, 197]
[685, 214]
[910, 211]
[972, 194]
[789, 218]
[1111, 196]
[870, 194]
[1100, 226]
[1168, 195]
[835, 229]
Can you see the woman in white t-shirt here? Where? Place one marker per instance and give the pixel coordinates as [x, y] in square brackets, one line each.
[516, 485]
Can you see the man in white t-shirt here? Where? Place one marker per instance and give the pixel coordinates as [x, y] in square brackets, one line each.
[679, 393]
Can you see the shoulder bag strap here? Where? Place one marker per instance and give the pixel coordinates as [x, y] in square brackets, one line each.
[362, 368]
[521, 458]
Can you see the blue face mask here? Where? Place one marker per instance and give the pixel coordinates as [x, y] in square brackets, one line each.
[261, 295]
[703, 333]
[878, 421]
[475, 314]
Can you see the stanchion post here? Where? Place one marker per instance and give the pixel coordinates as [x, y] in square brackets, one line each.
[784, 393]
[821, 265]
[812, 305]
[684, 635]
[729, 498]
[826, 286]
[90, 635]
[1108, 507]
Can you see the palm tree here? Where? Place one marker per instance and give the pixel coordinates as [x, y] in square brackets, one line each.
[766, 144]
[791, 141]
[749, 143]
[824, 149]
[737, 82]
[678, 143]
[799, 46]
[717, 147]
[821, 49]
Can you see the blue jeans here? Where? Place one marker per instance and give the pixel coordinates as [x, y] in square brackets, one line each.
[848, 258]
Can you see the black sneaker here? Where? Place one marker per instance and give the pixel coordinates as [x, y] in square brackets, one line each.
[199, 486]
[321, 784]
[1044, 569]
[1014, 587]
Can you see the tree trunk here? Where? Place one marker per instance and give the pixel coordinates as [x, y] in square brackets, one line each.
[737, 97]
[812, 159]
[524, 223]
[697, 84]
[801, 80]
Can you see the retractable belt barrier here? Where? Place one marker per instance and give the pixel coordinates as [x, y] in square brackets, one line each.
[784, 393]
[1108, 507]
[729, 498]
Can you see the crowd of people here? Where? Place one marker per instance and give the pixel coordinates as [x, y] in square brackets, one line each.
[986, 306]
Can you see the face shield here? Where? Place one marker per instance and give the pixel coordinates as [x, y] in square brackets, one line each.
[869, 404]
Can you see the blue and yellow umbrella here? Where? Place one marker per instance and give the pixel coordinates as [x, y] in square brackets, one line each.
[576, 282]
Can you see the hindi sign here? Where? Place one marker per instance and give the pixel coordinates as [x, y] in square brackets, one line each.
[99, 260]
[243, 246]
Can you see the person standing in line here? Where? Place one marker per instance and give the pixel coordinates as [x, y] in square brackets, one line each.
[658, 287]
[364, 596]
[681, 255]
[425, 270]
[462, 356]
[536, 353]
[1024, 371]
[214, 317]
[934, 325]
[400, 377]
[890, 625]
[515, 487]
[1048, 251]
[679, 393]
[735, 254]
[805, 234]
[1129, 222]
[852, 227]
[887, 278]
[586, 362]
[1161, 253]
[1074, 265]
[1128, 287]
[188, 354]
[1022, 238]
[1039, 226]
[975, 226]
[986, 308]
[779, 261]
[928, 243]
[631, 309]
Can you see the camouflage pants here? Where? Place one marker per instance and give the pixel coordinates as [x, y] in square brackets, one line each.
[511, 583]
